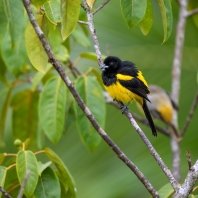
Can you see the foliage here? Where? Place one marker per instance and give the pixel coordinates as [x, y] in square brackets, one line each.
[43, 180]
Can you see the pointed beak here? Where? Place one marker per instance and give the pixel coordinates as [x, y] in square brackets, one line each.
[104, 67]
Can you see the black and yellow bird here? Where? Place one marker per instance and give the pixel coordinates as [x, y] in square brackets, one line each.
[163, 108]
[124, 83]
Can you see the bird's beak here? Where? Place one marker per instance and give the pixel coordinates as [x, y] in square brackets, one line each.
[104, 67]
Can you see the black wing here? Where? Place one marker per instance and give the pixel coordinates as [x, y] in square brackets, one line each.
[128, 68]
[136, 86]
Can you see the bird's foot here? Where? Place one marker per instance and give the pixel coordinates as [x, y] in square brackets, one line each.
[123, 108]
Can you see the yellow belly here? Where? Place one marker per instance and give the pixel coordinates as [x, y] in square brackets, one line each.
[120, 93]
[166, 113]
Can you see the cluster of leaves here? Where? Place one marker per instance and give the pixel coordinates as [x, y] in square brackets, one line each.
[43, 180]
[37, 100]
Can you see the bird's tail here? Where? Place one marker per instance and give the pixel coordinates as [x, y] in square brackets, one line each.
[175, 131]
[149, 118]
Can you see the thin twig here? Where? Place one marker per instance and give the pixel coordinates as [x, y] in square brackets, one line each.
[190, 115]
[188, 160]
[83, 22]
[4, 193]
[82, 105]
[20, 195]
[101, 6]
[192, 12]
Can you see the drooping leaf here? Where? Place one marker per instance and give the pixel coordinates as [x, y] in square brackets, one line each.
[48, 185]
[166, 191]
[2, 69]
[70, 10]
[25, 161]
[2, 157]
[167, 17]
[3, 19]
[65, 175]
[52, 10]
[42, 167]
[80, 37]
[91, 3]
[52, 108]
[147, 22]
[39, 76]
[133, 11]
[15, 11]
[34, 47]
[11, 181]
[25, 126]
[14, 56]
[38, 3]
[5, 100]
[92, 94]
[90, 56]
[3, 171]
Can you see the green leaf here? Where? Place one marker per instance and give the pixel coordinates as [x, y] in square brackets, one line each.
[2, 69]
[15, 11]
[52, 10]
[14, 56]
[34, 47]
[48, 185]
[11, 181]
[147, 22]
[70, 10]
[193, 4]
[65, 175]
[133, 11]
[3, 19]
[39, 76]
[167, 17]
[3, 171]
[5, 100]
[166, 191]
[38, 3]
[91, 3]
[62, 54]
[25, 161]
[90, 56]
[42, 167]
[80, 37]
[2, 157]
[25, 126]
[92, 94]
[52, 108]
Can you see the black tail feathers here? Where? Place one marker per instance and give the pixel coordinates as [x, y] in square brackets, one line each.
[149, 118]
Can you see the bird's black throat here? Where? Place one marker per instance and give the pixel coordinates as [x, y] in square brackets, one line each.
[108, 78]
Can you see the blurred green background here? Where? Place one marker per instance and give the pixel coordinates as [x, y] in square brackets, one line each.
[101, 174]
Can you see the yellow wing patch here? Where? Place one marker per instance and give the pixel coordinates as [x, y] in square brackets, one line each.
[123, 77]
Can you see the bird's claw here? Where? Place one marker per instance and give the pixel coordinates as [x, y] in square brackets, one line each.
[123, 108]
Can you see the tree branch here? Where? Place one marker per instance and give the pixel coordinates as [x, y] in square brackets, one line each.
[192, 12]
[190, 115]
[101, 6]
[176, 73]
[189, 182]
[4, 193]
[80, 102]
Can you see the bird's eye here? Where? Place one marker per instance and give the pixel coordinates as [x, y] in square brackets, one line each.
[111, 63]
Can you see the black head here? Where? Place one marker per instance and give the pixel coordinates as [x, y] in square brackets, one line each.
[112, 63]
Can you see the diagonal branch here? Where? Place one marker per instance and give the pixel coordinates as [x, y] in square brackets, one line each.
[4, 193]
[101, 6]
[82, 105]
[190, 115]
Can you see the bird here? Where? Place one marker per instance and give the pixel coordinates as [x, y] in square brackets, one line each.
[162, 107]
[125, 83]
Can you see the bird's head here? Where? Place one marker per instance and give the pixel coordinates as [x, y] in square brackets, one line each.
[111, 63]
